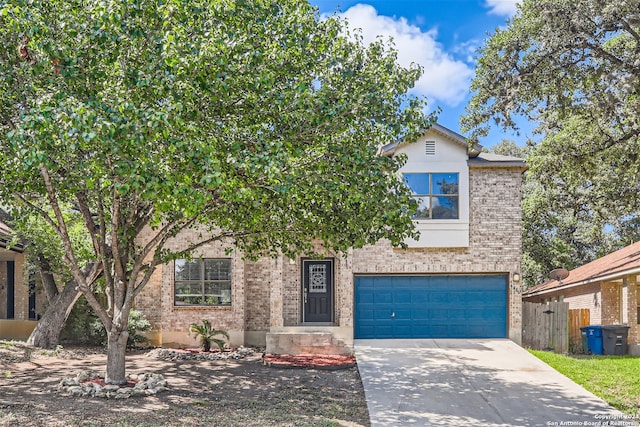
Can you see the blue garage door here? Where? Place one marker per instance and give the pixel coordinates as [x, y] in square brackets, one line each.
[430, 307]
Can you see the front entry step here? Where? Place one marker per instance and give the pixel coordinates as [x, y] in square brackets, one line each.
[305, 342]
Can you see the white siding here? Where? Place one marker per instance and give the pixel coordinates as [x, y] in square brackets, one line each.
[450, 157]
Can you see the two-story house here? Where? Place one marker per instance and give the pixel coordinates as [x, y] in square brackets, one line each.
[459, 279]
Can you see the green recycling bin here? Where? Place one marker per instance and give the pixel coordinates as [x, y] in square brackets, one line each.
[614, 339]
[585, 341]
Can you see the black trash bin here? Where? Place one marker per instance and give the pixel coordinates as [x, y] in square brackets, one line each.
[614, 340]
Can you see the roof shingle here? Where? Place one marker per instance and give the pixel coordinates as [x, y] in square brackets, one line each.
[615, 264]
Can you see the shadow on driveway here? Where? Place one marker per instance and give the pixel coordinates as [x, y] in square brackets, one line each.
[471, 383]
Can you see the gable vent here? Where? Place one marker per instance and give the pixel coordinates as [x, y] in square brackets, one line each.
[430, 148]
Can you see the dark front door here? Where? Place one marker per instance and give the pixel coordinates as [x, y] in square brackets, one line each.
[317, 290]
[11, 302]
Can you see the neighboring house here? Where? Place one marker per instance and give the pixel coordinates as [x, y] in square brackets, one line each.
[606, 286]
[17, 294]
[456, 280]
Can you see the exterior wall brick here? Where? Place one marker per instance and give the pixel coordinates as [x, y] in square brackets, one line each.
[632, 308]
[494, 243]
[266, 294]
[170, 322]
[292, 289]
[588, 296]
[258, 294]
[611, 303]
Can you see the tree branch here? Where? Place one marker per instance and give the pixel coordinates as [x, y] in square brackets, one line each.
[46, 275]
[62, 228]
[88, 220]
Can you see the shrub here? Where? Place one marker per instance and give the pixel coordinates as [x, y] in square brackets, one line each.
[206, 333]
[84, 327]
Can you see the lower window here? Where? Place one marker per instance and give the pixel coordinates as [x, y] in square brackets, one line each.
[203, 282]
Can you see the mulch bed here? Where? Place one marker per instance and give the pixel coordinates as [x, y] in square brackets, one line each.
[307, 360]
[313, 361]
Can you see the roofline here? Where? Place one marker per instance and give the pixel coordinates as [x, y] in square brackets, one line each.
[446, 132]
[585, 282]
[18, 248]
[473, 163]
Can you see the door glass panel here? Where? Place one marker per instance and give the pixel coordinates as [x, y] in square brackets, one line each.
[317, 278]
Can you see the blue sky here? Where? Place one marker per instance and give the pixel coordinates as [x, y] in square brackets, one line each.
[440, 35]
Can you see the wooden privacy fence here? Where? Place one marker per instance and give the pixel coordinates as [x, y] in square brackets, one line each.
[577, 319]
[546, 326]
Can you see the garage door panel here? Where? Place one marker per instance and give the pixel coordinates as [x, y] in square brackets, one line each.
[402, 296]
[430, 307]
[382, 296]
[401, 314]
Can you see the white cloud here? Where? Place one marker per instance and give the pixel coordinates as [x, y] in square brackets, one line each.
[502, 7]
[445, 79]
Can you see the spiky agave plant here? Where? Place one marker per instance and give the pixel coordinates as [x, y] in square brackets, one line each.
[206, 334]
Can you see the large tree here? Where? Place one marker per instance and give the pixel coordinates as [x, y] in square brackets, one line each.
[255, 121]
[45, 256]
[572, 68]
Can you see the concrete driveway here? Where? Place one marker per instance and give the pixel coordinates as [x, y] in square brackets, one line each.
[448, 382]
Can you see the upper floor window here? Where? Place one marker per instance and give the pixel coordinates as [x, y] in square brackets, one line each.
[436, 193]
[203, 282]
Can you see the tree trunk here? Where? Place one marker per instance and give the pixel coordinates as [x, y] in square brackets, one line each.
[116, 350]
[47, 277]
[47, 332]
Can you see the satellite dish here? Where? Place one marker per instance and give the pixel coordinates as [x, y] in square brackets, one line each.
[559, 274]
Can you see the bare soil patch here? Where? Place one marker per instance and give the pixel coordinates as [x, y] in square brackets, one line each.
[227, 392]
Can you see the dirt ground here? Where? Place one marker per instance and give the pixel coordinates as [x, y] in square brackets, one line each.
[241, 392]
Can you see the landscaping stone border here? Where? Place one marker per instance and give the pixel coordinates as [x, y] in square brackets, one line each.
[91, 384]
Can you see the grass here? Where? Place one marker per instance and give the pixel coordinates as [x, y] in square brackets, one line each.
[612, 378]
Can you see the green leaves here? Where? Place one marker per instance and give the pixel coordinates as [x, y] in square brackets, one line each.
[256, 119]
[572, 69]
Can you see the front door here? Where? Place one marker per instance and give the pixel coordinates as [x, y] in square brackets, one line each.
[317, 291]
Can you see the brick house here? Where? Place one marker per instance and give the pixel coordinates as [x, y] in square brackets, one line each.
[17, 293]
[457, 280]
[608, 287]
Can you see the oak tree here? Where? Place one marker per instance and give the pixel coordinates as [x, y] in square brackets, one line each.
[256, 121]
[571, 68]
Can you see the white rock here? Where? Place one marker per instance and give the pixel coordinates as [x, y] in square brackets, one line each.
[70, 382]
[75, 390]
[140, 385]
[82, 376]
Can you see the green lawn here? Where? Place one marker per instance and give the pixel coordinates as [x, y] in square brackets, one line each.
[615, 379]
